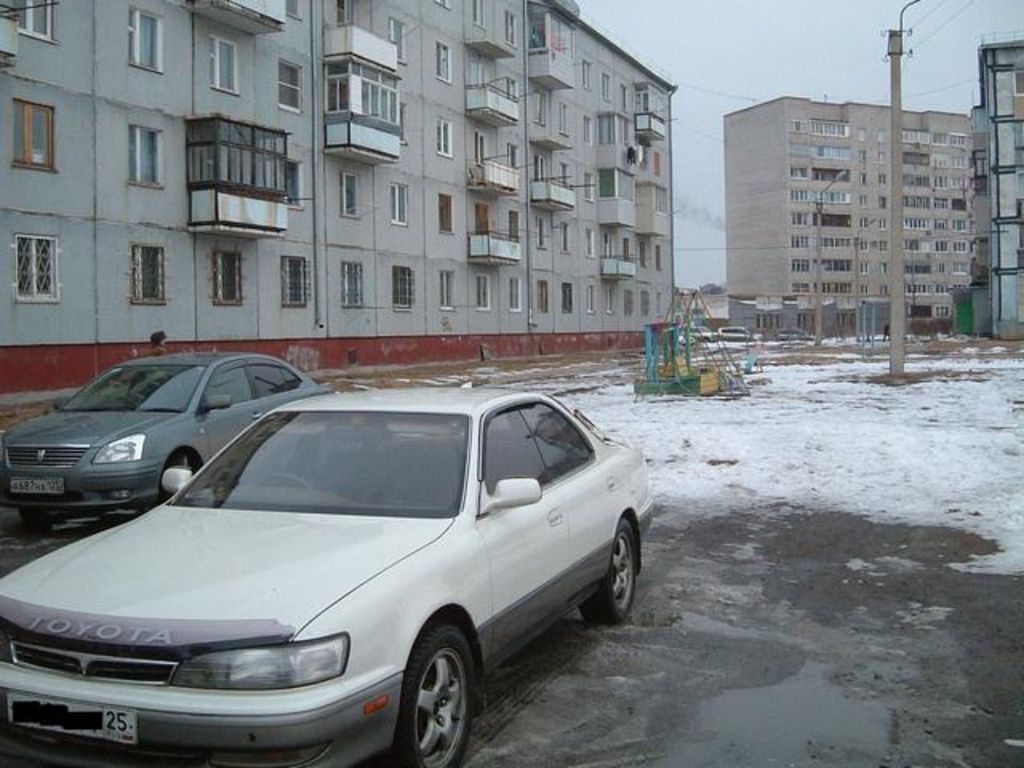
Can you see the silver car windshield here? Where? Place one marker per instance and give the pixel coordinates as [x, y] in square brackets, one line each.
[166, 388]
[341, 463]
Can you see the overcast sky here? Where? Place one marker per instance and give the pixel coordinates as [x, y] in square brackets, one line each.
[729, 54]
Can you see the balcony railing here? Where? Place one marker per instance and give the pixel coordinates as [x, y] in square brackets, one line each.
[617, 268]
[551, 195]
[616, 212]
[649, 126]
[492, 176]
[552, 69]
[494, 248]
[8, 41]
[491, 105]
[549, 137]
[356, 42]
[231, 213]
[362, 138]
[253, 16]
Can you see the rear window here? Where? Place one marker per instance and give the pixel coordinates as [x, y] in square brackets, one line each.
[341, 463]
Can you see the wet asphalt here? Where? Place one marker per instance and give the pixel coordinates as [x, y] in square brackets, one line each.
[761, 637]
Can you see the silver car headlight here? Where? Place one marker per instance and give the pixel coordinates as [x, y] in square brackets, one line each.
[124, 449]
[279, 666]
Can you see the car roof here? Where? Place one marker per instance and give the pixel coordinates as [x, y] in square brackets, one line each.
[199, 358]
[469, 401]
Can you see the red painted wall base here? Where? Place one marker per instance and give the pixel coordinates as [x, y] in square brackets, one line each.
[58, 366]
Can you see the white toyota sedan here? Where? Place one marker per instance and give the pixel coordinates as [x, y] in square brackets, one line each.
[333, 584]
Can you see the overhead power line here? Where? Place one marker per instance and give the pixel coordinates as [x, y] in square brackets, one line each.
[712, 91]
[944, 24]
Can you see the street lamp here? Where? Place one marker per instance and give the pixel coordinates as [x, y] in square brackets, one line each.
[818, 204]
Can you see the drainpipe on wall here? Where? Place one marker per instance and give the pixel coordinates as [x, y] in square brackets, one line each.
[527, 164]
[95, 206]
[314, 115]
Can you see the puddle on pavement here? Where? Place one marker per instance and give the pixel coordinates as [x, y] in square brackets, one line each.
[802, 721]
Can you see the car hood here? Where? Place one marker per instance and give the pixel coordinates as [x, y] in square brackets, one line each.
[221, 570]
[84, 427]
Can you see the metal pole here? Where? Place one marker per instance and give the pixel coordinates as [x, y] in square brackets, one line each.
[818, 309]
[897, 280]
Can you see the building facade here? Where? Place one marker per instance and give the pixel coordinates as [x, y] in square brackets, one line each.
[807, 201]
[998, 286]
[336, 181]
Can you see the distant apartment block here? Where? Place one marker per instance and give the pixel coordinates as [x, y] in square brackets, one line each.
[807, 210]
[335, 181]
[997, 271]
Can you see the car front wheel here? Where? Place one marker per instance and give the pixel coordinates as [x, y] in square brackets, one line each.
[614, 597]
[437, 692]
[35, 520]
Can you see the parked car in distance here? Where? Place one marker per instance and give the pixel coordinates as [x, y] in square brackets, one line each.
[793, 334]
[107, 446]
[703, 332]
[735, 333]
[333, 584]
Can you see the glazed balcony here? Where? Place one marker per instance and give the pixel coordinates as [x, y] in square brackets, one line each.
[234, 212]
[491, 105]
[551, 195]
[255, 17]
[494, 248]
[494, 177]
[617, 268]
[8, 41]
[649, 220]
[616, 212]
[649, 127]
[358, 43]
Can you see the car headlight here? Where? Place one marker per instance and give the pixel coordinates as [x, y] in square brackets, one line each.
[280, 666]
[126, 449]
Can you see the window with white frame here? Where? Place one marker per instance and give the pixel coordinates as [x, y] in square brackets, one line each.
[511, 29]
[223, 65]
[363, 89]
[36, 268]
[563, 118]
[145, 40]
[143, 155]
[293, 182]
[543, 304]
[566, 298]
[799, 219]
[541, 236]
[227, 277]
[483, 292]
[402, 295]
[35, 17]
[400, 204]
[642, 248]
[606, 86]
[478, 12]
[349, 194]
[588, 130]
[446, 300]
[293, 281]
[565, 236]
[645, 303]
[444, 213]
[588, 236]
[396, 34]
[147, 274]
[351, 284]
[657, 257]
[289, 86]
[444, 137]
[515, 294]
[588, 186]
[443, 62]
[609, 300]
[585, 68]
[590, 299]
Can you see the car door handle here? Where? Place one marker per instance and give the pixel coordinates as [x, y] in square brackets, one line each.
[555, 517]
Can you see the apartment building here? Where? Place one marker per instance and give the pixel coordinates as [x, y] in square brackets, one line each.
[334, 181]
[997, 286]
[807, 212]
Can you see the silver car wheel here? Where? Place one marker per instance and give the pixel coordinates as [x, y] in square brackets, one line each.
[622, 570]
[441, 708]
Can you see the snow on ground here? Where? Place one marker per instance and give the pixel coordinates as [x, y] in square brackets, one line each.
[946, 451]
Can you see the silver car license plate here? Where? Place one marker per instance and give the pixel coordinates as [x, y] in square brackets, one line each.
[53, 486]
[92, 720]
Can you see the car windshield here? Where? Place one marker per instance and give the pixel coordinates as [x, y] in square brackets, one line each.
[154, 387]
[341, 463]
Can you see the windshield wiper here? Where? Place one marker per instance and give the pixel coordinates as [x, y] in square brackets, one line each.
[161, 410]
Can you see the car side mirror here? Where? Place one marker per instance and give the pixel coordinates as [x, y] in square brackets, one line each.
[175, 478]
[510, 492]
[217, 402]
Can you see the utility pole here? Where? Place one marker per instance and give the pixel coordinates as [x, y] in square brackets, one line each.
[897, 280]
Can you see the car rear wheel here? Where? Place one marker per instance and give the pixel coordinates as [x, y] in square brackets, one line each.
[435, 714]
[614, 597]
[36, 520]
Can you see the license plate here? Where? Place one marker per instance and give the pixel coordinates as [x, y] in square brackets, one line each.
[94, 721]
[53, 486]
